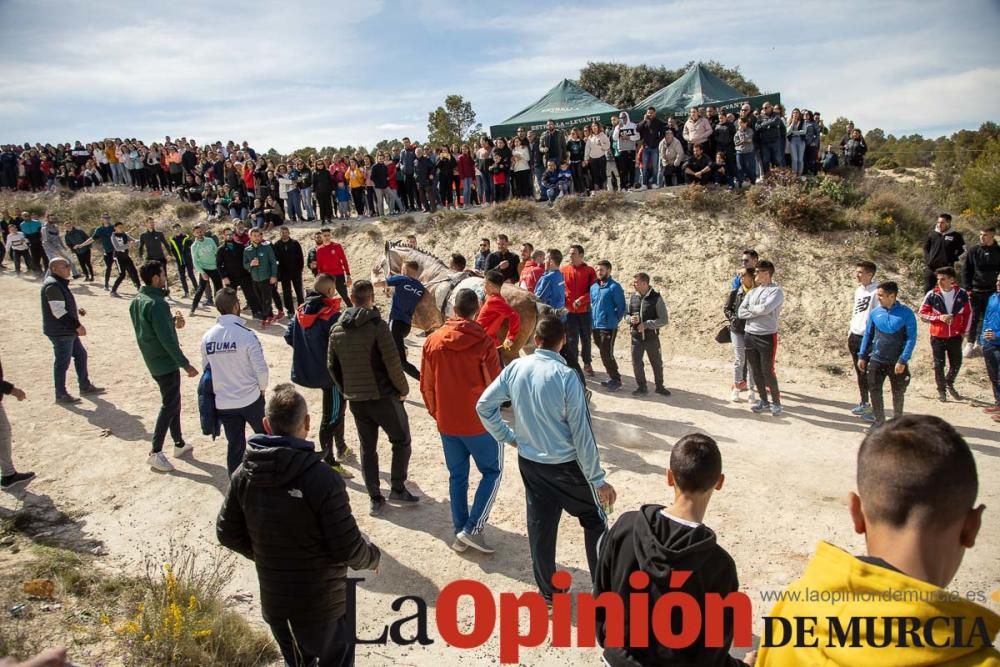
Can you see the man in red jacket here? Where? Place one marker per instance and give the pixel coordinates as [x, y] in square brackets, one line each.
[330, 259]
[578, 277]
[459, 362]
[496, 311]
[532, 266]
[946, 308]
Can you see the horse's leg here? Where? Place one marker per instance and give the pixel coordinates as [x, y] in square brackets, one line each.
[529, 317]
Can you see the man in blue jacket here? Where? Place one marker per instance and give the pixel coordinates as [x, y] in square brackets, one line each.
[989, 340]
[889, 341]
[607, 304]
[309, 335]
[557, 453]
[551, 287]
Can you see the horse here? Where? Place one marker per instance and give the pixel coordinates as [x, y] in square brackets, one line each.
[441, 286]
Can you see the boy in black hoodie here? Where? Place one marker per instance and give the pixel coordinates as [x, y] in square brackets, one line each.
[659, 540]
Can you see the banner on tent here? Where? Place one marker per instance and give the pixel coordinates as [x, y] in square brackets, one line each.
[561, 124]
[756, 102]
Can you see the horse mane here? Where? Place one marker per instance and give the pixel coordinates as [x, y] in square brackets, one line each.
[398, 244]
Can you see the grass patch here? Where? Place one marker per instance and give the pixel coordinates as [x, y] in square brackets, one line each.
[186, 211]
[701, 199]
[513, 211]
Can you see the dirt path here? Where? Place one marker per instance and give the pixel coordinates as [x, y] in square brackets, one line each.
[786, 478]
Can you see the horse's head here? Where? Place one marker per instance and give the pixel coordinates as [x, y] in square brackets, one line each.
[391, 261]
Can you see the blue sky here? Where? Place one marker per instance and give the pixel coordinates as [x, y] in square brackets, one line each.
[290, 74]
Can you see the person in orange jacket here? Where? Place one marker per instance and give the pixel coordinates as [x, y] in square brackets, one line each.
[579, 276]
[458, 363]
[496, 311]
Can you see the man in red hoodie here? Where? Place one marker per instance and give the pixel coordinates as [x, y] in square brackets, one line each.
[579, 276]
[532, 266]
[331, 260]
[496, 311]
[946, 308]
[458, 364]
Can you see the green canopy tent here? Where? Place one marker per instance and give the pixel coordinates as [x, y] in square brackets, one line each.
[567, 104]
[696, 87]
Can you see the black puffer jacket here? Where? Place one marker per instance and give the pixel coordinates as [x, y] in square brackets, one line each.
[288, 512]
[736, 325]
[363, 359]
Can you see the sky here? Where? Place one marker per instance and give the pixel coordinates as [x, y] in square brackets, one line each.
[329, 73]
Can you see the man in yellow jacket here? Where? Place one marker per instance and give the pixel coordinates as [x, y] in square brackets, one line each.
[915, 504]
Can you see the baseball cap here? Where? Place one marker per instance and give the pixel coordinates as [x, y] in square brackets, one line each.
[106, 216]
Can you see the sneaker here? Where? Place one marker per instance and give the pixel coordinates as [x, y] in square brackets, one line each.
[954, 392]
[612, 385]
[8, 482]
[868, 417]
[640, 391]
[107, 288]
[93, 390]
[942, 397]
[66, 399]
[376, 506]
[459, 546]
[279, 316]
[403, 496]
[861, 409]
[588, 370]
[776, 409]
[968, 349]
[158, 462]
[182, 450]
[477, 541]
[662, 391]
[760, 406]
[742, 385]
[342, 471]
[735, 395]
[264, 322]
[345, 454]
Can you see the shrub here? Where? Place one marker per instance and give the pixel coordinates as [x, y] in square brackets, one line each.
[901, 170]
[838, 189]
[981, 181]
[885, 164]
[569, 205]
[604, 202]
[703, 199]
[891, 224]
[513, 211]
[794, 205]
[186, 211]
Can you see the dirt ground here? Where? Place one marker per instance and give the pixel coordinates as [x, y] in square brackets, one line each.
[786, 478]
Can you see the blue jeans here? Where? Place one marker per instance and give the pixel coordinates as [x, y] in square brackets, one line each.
[234, 423]
[467, 191]
[991, 355]
[798, 153]
[66, 348]
[551, 194]
[293, 205]
[650, 160]
[747, 164]
[306, 201]
[488, 456]
[772, 155]
[539, 172]
[485, 184]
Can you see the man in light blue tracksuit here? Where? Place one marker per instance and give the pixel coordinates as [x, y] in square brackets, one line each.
[889, 341]
[557, 453]
[607, 305]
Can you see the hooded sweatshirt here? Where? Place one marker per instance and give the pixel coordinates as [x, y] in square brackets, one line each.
[761, 308]
[363, 358]
[459, 362]
[288, 512]
[625, 135]
[309, 335]
[651, 541]
[493, 314]
[841, 574]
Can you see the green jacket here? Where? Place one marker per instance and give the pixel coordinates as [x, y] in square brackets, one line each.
[203, 254]
[268, 267]
[155, 333]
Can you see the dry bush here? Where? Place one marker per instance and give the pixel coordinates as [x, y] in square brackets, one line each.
[702, 199]
[514, 211]
[605, 202]
[782, 197]
[568, 205]
[186, 211]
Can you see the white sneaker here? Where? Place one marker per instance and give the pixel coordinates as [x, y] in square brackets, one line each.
[968, 349]
[159, 462]
[735, 396]
[181, 451]
[752, 398]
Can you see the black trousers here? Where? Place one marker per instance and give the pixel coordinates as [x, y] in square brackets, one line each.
[109, 261]
[263, 292]
[577, 341]
[388, 414]
[648, 346]
[400, 330]
[761, 351]
[550, 490]
[17, 256]
[854, 345]
[245, 283]
[287, 285]
[978, 299]
[325, 201]
[331, 428]
[186, 272]
[86, 264]
[605, 341]
[626, 168]
[877, 373]
[126, 267]
[341, 284]
[409, 192]
[599, 172]
[38, 258]
[234, 424]
[170, 410]
[216, 280]
[952, 349]
[306, 645]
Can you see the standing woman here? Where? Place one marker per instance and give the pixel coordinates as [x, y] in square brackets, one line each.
[281, 176]
[741, 378]
[152, 165]
[446, 171]
[505, 156]
[103, 165]
[466, 174]
[356, 182]
[812, 143]
[136, 168]
[596, 156]
[250, 180]
[521, 166]
[576, 147]
[484, 160]
[797, 141]
[322, 185]
[304, 181]
[368, 162]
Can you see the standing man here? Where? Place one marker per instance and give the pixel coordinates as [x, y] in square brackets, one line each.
[10, 479]
[75, 237]
[990, 342]
[365, 365]
[886, 350]
[32, 230]
[551, 287]
[625, 136]
[153, 247]
[156, 334]
[259, 260]
[651, 131]
[607, 299]
[308, 333]
[331, 260]
[229, 260]
[748, 260]
[204, 261]
[61, 323]
[982, 266]
[459, 362]
[503, 260]
[290, 515]
[647, 313]
[180, 249]
[552, 144]
[532, 266]
[557, 453]
[407, 292]
[102, 233]
[407, 164]
[946, 308]
[52, 243]
[291, 261]
[761, 308]
[122, 241]
[864, 303]
[943, 247]
[239, 375]
[578, 277]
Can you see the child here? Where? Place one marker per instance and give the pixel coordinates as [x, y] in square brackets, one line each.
[499, 180]
[343, 201]
[17, 247]
[915, 505]
[550, 183]
[565, 178]
[658, 540]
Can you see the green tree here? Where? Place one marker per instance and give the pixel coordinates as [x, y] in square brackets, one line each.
[624, 86]
[981, 182]
[452, 123]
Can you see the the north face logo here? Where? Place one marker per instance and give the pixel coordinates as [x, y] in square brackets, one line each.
[294, 493]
